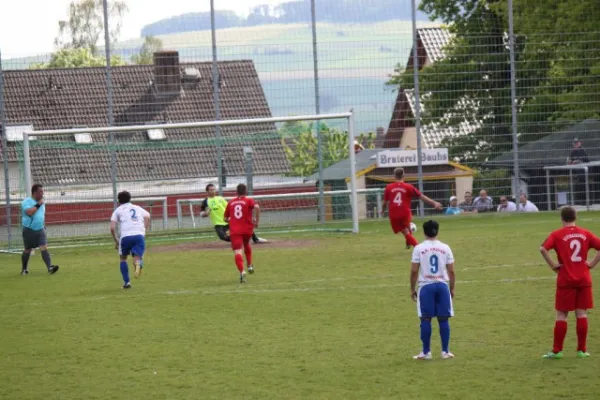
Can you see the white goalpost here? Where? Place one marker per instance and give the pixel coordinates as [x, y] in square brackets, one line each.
[161, 168]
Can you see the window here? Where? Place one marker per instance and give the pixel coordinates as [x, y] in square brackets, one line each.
[83, 138]
[14, 133]
[156, 134]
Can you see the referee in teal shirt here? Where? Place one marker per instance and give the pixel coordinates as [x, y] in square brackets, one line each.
[34, 233]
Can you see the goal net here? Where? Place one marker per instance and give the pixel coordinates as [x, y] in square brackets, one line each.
[166, 168]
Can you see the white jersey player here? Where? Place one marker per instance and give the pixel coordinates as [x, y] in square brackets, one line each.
[133, 221]
[433, 270]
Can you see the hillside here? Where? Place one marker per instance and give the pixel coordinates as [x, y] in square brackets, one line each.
[292, 12]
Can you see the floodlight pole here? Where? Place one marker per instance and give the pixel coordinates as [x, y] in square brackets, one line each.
[5, 157]
[513, 101]
[313, 14]
[216, 98]
[415, 56]
[109, 99]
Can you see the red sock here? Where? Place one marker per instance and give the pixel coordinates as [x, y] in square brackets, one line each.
[239, 262]
[560, 331]
[248, 253]
[410, 240]
[582, 330]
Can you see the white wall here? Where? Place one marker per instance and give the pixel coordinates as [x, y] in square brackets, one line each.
[362, 198]
[463, 184]
[14, 177]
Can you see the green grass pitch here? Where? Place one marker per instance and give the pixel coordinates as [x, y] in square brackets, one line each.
[331, 318]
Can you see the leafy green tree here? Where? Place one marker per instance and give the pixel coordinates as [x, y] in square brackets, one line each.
[75, 58]
[84, 26]
[146, 55]
[302, 148]
[556, 73]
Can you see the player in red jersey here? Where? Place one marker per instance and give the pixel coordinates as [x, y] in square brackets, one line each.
[399, 196]
[242, 214]
[574, 281]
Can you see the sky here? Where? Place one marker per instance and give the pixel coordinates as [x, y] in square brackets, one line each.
[29, 27]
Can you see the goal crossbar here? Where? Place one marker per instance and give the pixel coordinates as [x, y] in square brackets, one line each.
[349, 116]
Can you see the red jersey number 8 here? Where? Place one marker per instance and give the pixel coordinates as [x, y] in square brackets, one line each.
[237, 212]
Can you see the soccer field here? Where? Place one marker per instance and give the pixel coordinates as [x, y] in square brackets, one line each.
[327, 315]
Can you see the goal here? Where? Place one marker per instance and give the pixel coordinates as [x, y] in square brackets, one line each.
[285, 164]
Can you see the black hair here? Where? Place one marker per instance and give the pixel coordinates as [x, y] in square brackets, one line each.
[431, 228]
[209, 186]
[36, 187]
[241, 190]
[124, 197]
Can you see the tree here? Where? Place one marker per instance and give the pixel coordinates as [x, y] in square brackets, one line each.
[146, 54]
[75, 58]
[302, 148]
[85, 24]
[556, 74]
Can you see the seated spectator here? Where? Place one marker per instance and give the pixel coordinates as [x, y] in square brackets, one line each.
[525, 205]
[453, 208]
[506, 206]
[483, 203]
[467, 205]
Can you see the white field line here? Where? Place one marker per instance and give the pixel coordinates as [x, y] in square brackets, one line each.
[248, 289]
[500, 266]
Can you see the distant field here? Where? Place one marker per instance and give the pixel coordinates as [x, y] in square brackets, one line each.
[326, 316]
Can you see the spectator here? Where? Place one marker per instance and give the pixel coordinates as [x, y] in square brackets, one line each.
[467, 205]
[483, 203]
[453, 208]
[525, 205]
[578, 154]
[506, 206]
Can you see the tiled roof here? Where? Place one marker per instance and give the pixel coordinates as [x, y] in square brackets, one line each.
[554, 149]
[68, 98]
[433, 133]
[434, 40]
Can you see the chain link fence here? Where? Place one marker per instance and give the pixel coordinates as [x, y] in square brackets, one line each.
[494, 103]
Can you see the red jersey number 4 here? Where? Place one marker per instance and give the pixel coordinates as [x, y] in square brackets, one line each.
[572, 245]
[239, 212]
[400, 195]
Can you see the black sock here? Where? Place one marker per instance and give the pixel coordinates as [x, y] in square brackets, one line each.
[24, 260]
[46, 258]
[254, 238]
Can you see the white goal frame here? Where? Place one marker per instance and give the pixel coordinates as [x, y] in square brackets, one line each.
[349, 116]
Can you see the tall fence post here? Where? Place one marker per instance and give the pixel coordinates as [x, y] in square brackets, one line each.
[513, 100]
[109, 100]
[415, 56]
[216, 97]
[5, 158]
[313, 15]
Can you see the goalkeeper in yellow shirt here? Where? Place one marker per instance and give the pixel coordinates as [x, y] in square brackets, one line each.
[214, 207]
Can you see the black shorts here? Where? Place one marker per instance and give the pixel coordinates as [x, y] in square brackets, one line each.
[223, 232]
[34, 239]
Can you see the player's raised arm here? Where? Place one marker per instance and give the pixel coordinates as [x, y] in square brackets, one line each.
[204, 209]
[432, 203]
[32, 208]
